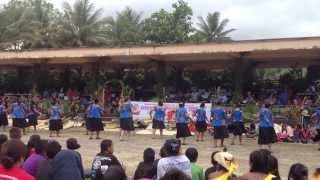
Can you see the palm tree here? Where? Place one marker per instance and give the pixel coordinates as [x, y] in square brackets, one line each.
[125, 28]
[212, 29]
[81, 25]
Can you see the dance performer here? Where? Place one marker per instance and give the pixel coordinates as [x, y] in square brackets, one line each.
[126, 121]
[158, 119]
[317, 116]
[33, 116]
[267, 134]
[87, 103]
[18, 110]
[3, 115]
[219, 124]
[55, 121]
[201, 122]
[95, 112]
[182, 121]
[237, 124]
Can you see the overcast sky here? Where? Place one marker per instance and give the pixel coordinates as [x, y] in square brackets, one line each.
[253, 19]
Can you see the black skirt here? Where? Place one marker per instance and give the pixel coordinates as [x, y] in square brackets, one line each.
[238, 128]
[157, 124]
[3, 119]
[201, 126]
[182, 130]
[33, 120]
[220, 132]
[267, 135]
[55, 125]
[126, 124]
[19, 122]
[95, 124]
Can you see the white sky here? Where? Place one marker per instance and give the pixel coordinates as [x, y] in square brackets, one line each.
[253, 19]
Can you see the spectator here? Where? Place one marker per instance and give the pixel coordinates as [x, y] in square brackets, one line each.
[274, 167]
[67, 165]
[173, 160]
[145, 168]
[305, 135]
[33, 140]
[72, 144]
[298, 172]
[12, 157]
[316, 174]
[175, 174]
[213, 168]
[31, 165]
[3, 139]
[115, 172]
[225, 166]
[15, 133]
[297, 134]
[196, 170]
[104, 160]
[162, 154]
[52, 148]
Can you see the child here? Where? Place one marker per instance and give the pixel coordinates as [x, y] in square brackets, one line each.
[297, 134]
[145, 169]
[196, 170]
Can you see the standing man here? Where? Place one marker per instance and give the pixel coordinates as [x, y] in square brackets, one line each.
[158, 119]
[219, 124]
[267, 135]
[95, 112]
[18, 110]
[182, 121]
[201, 122]
[237, 124]
[126, 121]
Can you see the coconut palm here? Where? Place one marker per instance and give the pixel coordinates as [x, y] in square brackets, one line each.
[212, 29]
[81, 25]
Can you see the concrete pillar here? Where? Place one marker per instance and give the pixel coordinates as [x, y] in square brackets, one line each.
[313, 73]
[161, 80]
[243, 73]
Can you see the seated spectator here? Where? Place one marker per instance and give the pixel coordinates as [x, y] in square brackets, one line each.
[173, 160]
[67, 165]
[196, 170]
[3, 139]
[283, 136]
[145, 169]
[213, 168]
[72, 144]
[115, 172]
[15, 133]
[103, 160]
[162, 154]
[31, 165]
[33, 140]
[12, 157]
[298, 172]
[297, 134]
[225, 166]
[53, 147]
[251, 132]
[305, 135]
[175, 174]
[274, 167]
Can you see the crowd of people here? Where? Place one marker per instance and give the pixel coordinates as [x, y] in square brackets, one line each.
[44, 159]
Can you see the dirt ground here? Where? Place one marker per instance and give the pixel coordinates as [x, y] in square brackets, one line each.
[130, 152]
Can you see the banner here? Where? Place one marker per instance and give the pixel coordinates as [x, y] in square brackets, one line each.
[141, 110]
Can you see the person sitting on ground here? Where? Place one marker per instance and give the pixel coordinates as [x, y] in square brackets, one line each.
[45, 166]
[298, 172]
[305, 135]
[226, 166]
[12, 157]
[72, 144]
[3, 139]
[115, 172]
[283, 136]
[274, 167]
[196, 170]
[162, 154]
[252, 132]
[67, 165]
[31, 165]
[15, 133]
[175, 174]
[297, 134]
[33, 140]
[103, 160]
[174, 159]
[213, 168]
[145, 168]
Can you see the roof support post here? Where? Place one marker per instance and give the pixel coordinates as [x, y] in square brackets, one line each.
[161, 80]
[313, 73]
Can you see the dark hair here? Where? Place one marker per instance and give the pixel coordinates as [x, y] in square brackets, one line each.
[273, 167]
[12, 152]
[105, 145]
[192, 154]
[172, 147]
[53, 147]
[297, 171]
[33, 140]
[259, 161]
[15, 133]
[40, 147]
[96, 101]
[163, 153]
[213, 162]
[181, 105]
[160, 103]
[3, 138]
[267, 105]
[115, 172]
[148, 155]
[72, 144]
[175, 174]
[219, 103]
[202, 105]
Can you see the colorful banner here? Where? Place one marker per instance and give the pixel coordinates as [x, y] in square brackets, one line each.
[142, 109]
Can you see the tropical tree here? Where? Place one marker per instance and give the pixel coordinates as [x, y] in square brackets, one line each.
[212, 29]
[125, 28]
[81, 25]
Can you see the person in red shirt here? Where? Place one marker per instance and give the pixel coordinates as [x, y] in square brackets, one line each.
[13, 152]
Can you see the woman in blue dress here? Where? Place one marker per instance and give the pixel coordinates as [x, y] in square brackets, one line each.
[182, 121]
[201, 122]
[55, 121]
[95, 112]
[126, 121]
[158, 118]
[267, 135]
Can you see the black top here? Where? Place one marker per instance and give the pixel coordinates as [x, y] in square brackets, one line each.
[101, 163]
[209, 171]
[145, 170]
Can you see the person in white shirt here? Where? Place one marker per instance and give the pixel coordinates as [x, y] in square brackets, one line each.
[174, 160]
